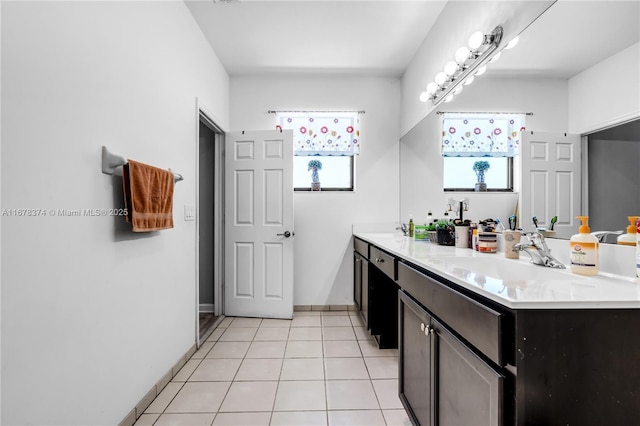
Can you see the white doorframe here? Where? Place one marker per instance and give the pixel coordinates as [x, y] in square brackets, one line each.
[218, 295]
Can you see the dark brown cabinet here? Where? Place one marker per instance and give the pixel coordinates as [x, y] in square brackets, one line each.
[441, 380]
[466, 359]
[361, 278]
[376, 292]
[415, 347]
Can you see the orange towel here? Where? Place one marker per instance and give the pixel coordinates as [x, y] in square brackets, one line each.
[148, 196]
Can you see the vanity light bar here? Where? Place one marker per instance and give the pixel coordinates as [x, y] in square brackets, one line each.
[445, 89]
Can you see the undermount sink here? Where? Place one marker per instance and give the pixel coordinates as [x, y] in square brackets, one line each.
[503, 269]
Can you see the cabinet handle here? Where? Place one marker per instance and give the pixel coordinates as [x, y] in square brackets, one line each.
[379, 260]
[428, 331]
[422, 326]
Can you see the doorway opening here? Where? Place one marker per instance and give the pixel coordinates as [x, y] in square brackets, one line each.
[209, 226]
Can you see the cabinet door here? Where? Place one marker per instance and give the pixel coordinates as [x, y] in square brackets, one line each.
[414, 344]
[469, 391]
[357, 280]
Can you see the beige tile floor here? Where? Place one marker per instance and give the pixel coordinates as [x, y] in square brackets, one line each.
[321, 368]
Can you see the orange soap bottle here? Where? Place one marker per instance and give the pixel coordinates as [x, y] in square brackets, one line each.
[584, 250]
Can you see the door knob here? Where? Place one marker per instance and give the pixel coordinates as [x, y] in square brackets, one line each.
[286, 234]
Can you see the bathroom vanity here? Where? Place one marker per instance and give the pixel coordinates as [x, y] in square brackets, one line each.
[485, 340]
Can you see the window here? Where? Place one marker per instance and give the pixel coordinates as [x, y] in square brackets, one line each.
[336, 173]
[458, 173]
[479, 139]
[329, 140]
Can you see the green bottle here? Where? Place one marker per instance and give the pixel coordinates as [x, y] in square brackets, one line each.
[411, 226]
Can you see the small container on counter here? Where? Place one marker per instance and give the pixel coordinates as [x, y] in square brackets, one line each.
[420, 233]
[511, 238]
[487, 242]
[462, 236]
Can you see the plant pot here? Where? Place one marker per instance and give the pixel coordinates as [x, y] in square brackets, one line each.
[481, 187]
[446, 236]
[315, 186]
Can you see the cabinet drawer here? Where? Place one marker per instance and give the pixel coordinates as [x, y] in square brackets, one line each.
[383, 261]
[361, 247]
[476, 323]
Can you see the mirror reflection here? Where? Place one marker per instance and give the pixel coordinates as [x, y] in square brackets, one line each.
[577, 69]
[613, 177]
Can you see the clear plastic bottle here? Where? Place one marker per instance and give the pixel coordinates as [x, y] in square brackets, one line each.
[584, 250]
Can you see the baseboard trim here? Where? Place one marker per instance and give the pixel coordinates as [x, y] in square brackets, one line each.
[144, 403]
[303, 308]
[207, 308]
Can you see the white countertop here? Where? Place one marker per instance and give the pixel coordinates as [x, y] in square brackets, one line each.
[516, 284]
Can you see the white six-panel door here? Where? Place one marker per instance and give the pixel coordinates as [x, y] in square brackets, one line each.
[259, 224]
[551, 181]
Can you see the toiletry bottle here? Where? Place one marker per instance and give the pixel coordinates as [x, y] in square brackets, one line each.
[629, 239]
[584, 250]
[474, 239]
[638, 250]
[411, 226]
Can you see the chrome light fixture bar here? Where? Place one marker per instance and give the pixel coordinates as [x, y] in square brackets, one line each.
[466, 71]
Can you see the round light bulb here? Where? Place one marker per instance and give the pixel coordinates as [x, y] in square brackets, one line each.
[481, 70]
[476, 40]
[432, 88]
[458, 90]
[448, 99]
[495, 57]
[468, 81]
[512, 43]
[450, 68]
[440, 78]
[462, 55]
[424, 97]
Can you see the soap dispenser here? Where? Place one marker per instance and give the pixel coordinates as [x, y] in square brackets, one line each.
[584, 250]
[629, 239]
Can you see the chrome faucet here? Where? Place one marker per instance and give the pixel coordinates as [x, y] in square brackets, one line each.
[404, 228]
[537, 249]
[602, 235]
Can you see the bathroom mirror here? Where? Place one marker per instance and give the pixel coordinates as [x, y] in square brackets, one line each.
[565, 40]
[613, 177]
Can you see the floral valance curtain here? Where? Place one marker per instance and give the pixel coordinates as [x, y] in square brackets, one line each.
[322, 133]
[481, 135]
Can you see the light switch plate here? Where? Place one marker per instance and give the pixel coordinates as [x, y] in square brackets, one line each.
[189, 213]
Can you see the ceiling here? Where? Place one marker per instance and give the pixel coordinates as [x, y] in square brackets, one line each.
[320, 37]
[381, 37]
[572, 36]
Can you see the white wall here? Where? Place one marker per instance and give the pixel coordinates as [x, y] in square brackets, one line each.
[93, 315]
[607, 93]
[455, 24]
[420, 152]
[323, 259]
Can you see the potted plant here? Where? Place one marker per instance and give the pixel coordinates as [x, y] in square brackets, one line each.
[480, 167]
[431, 231]
[445, 233]
[314, 166]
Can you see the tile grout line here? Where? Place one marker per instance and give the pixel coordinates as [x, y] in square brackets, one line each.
[283, 358]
